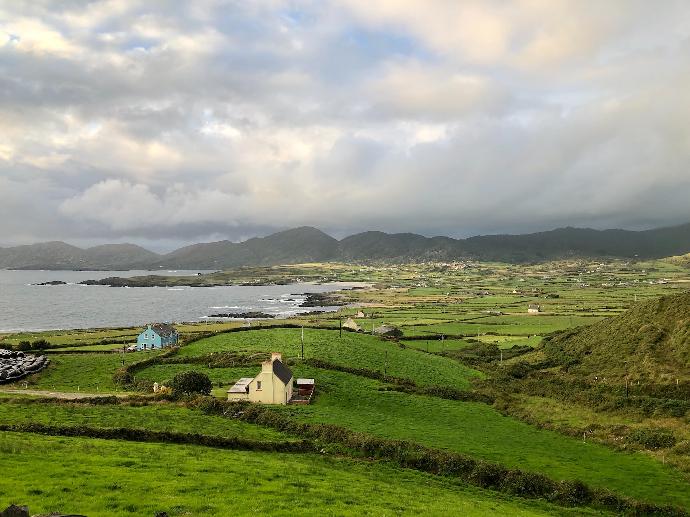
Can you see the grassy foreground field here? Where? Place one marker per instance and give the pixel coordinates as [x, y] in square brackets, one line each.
[475, 429]
[105, 478]
[442, 310]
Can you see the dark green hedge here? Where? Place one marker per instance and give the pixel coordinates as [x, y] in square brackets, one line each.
[147, 435]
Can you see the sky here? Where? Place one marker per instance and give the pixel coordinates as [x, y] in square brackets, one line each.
[166, 123]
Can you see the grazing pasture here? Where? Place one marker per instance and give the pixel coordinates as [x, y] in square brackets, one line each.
[104, 478]
[442, 310]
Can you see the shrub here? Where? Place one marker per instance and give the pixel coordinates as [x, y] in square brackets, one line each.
[488, 475]
[573, 493]
[527, 484]
[518, 370]
[24, 346]
[190, 383]
[651, 438]
[122, 377]
[40, 344]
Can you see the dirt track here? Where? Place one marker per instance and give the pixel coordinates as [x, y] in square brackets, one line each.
[59, 394]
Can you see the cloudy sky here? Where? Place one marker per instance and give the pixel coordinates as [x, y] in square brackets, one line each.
[164, 123]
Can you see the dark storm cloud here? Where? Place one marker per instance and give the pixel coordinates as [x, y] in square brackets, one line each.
[170, 122]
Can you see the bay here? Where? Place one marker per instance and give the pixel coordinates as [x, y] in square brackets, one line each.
[27, 307]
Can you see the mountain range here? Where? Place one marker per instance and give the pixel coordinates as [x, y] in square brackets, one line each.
[308, 244]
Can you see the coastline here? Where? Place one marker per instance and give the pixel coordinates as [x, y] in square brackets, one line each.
[32, 309]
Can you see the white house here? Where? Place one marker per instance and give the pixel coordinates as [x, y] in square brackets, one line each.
[273, 384]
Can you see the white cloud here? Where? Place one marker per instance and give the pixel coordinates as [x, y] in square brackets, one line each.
[428, 115]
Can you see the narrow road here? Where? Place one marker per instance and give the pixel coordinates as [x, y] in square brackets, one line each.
[59, 394]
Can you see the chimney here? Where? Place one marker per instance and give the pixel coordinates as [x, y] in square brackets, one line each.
[276, 355]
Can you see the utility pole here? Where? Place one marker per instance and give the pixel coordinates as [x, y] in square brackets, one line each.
[302, 342]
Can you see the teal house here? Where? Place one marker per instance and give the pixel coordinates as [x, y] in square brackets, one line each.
[158, 335]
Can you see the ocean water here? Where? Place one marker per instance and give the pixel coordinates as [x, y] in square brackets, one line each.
[31, 307]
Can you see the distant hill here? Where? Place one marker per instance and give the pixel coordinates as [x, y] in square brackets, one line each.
[583, 242]
[289, 247]
[59, 255]
[308, 244]
[650, 341]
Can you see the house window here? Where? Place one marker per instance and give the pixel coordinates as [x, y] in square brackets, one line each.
[258, 385]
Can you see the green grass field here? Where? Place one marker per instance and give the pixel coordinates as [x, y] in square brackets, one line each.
[105, 478]
[481, 431]
[470, 428]
[480, 302]
[90, 373]
[158, 417]
[356, 350]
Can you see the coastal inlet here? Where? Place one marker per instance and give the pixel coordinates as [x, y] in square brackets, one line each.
[27, 307]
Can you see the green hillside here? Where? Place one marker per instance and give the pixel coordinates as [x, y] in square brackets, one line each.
[651, 341]
[679, 260]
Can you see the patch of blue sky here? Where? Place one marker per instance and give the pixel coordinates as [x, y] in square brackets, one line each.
[380, 45]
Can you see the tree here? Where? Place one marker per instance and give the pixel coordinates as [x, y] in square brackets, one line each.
[188, 383]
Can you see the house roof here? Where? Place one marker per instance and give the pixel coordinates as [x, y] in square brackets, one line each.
[241, 385]
[163, 329]
[281, 371]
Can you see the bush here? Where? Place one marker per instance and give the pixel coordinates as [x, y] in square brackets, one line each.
[40, 344]
[518, 370]
[527, 484]
[23, 346]
[190, 383]
[122, 377]
[653, 439]
[488, 475]
[573, 493]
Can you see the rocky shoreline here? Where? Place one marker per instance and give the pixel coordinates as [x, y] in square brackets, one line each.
[330, 299]
[255, 315]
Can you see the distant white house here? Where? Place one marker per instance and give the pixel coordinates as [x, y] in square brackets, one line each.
[534, 308]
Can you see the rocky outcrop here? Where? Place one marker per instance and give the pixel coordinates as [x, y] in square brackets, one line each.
[243, 315]
[16, 365]
[388, 331]
[322, 300]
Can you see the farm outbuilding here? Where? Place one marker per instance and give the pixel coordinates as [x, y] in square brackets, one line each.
[351, 324]
[534, 308]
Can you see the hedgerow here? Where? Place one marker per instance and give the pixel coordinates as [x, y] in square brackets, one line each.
[148, 435]
[405, 385]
